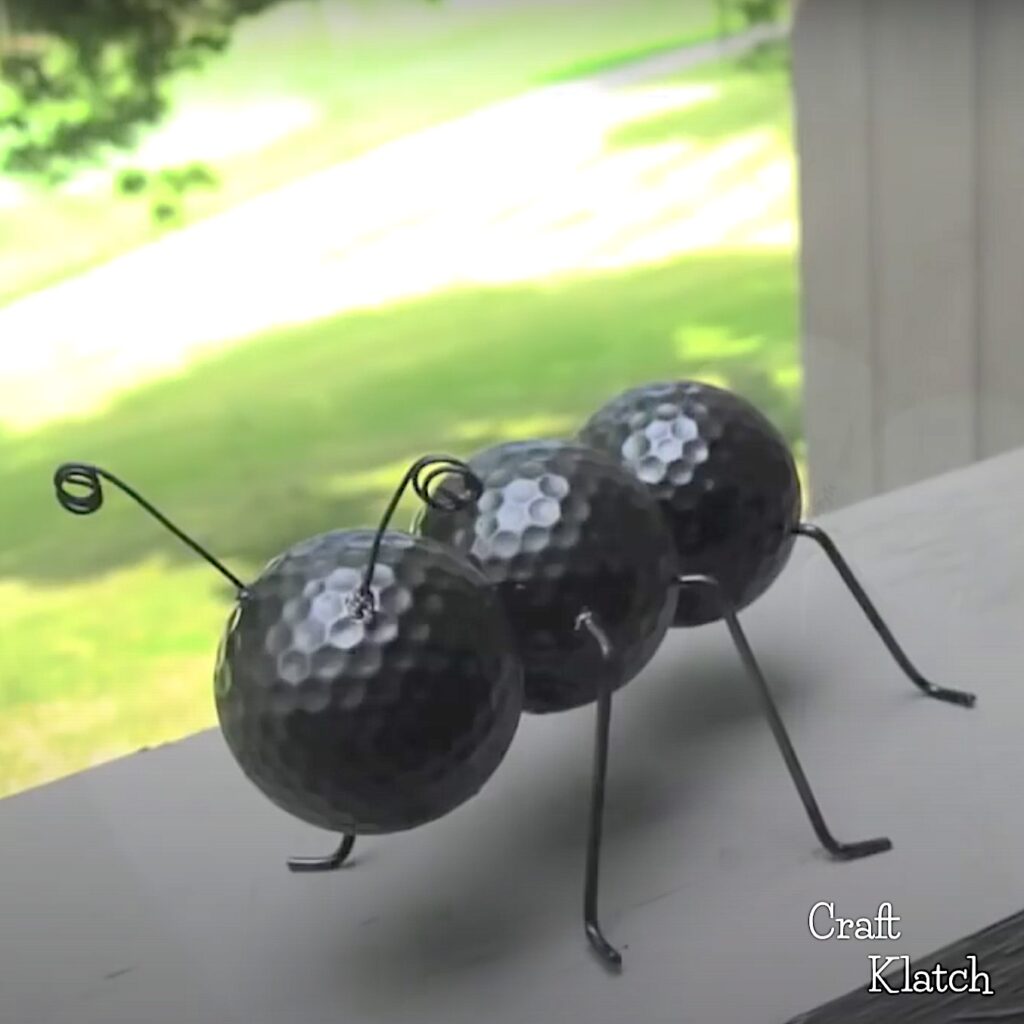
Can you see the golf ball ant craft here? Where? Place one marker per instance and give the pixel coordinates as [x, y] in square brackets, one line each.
[369, 682]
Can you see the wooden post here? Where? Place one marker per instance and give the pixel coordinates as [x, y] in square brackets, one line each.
[910, 146]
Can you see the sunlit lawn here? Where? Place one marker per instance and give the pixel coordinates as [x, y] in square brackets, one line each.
[110, 626]
[316, 81]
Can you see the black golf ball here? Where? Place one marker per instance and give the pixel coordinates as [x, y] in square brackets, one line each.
[368, 718]
[562, 529]
[723, 475]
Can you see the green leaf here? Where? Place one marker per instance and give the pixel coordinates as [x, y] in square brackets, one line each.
[132, 182]
[165, 212]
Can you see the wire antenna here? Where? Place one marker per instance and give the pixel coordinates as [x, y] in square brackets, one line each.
[424, 475]
[88, 498]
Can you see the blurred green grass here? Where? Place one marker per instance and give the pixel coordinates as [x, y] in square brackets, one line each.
[368, 72]
[111, 626]
[750, 97]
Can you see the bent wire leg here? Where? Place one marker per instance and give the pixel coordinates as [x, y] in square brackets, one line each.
[601, 946]
[842, 851]
[329, 863]
[827, 545]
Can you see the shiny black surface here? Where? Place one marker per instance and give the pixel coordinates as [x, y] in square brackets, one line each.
[562, 529]
[368, 723]
[723, 475]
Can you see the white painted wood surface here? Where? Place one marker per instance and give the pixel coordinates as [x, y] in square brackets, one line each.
[910, 132]
[152, 890]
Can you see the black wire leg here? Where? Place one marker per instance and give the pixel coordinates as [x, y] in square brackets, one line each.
[609, 955]
[330, 863]
[827, 545]
[841, 851]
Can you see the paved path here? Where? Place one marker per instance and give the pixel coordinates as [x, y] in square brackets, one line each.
[513, 192]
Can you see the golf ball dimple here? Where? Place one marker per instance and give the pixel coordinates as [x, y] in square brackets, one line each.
[374, 723]
[730, 492]
[583, 534]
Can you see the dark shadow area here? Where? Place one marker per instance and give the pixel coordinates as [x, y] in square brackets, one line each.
[256, 448]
